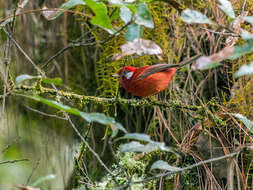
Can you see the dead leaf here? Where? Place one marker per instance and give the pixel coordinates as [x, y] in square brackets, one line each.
[140, 47]
[236, 26]
[49, 14]
[205, 62]
[23, 187]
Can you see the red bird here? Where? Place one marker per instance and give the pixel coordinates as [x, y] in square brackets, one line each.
[148, 80]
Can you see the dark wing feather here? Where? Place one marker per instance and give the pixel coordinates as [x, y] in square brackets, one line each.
[156, 69]
[162, 67]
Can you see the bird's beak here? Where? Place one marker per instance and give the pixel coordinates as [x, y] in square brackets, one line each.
[116, 76]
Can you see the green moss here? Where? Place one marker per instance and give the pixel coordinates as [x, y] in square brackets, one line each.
[130, 166]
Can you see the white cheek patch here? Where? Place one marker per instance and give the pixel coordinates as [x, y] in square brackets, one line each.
[128, 75]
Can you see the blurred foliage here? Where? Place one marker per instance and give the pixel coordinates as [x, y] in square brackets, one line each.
[51, 145]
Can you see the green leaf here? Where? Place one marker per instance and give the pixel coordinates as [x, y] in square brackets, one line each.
[143, 15]
[241, 50]
[42, 179]
[89, 117]
[125, 14]
[246, 35]
[249, 19]
[133, 31]
[137, 136]
[24, 77]
[56, 81]
[244, 70]
[120, 127]
[245, 121]
[137, 147]
[192, 16]
[102, 119]
[69, 5]
[57, 105]
[116, 2]
[101, 18]
[162, 165]
[226, 6]
[132, 8]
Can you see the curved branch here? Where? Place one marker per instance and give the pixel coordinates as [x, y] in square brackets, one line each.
[183, 169]
[83, 99]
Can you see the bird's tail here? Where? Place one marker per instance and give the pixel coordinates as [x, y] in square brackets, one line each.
[188, 61]
[162, 67]
[183, 63]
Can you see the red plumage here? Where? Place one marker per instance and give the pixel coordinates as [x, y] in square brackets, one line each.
[146, 80]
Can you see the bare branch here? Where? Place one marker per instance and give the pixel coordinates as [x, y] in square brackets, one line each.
[45, 114]
[23, 52]
[182, 169]
[9, 145]
[83, 43]
[20, 7]
[13, 161]
[221, 33]
[34, 168]
[2, 21]
[243, 7]
[88, 146]
[7, 64]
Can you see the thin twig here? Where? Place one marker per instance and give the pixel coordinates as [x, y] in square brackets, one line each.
[45, 114]
[122, 169]
[221, 33]
[2, 21]
[160, 115]
[88, 146]
[34, 168]
[13, 161]
[7, 64]
[70, 45]
[7, 59]
[23, 52]
[84, 43]
[243, 7]
[115, 33]
[12, 18]
[9, 145]
[181, 169]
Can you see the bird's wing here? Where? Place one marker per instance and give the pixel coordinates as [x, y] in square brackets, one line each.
[156, 69]
[162, 67]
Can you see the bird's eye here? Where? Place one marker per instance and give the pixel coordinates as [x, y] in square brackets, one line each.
[128, 74]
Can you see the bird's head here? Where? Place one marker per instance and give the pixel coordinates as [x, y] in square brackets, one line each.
[125, 73]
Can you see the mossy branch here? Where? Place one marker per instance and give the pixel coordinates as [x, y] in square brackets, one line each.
[83, 99]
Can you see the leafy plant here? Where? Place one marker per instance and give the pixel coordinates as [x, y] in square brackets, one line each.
[192, 16]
